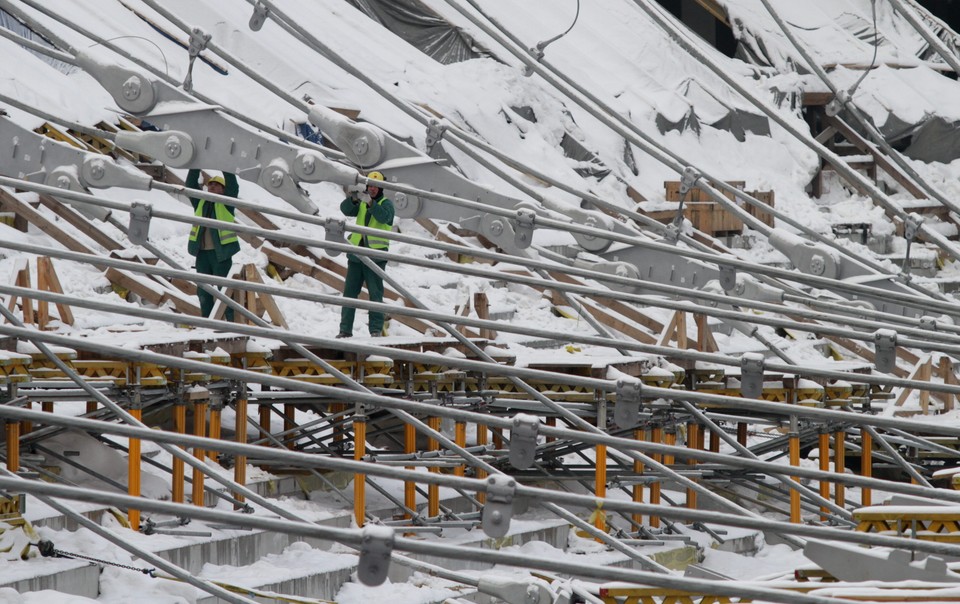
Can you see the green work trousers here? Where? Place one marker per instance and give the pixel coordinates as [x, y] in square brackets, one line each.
[357, 275]
[207, 264]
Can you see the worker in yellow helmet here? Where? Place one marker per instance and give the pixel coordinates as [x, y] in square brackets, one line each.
[213, 247]
[375, 211]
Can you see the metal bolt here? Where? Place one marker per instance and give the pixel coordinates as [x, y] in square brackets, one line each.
[496, 228]
[360, 146]
[172, 147]
[97, 169]
[400, 201]
[276, 179]
[63, 182]
[308, 164]
[817, 264]
[132, 88]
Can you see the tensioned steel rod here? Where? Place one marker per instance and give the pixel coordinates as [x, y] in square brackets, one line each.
[626, 281]
[783, 478]
[147, 556]
[354, 537]
[375, 253]
[479, 485]
[590, 383]
[628, 130]
[908, 300]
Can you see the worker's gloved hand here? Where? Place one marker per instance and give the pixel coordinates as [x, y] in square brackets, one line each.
[365, 198]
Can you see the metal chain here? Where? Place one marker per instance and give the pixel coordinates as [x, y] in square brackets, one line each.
[47, 550]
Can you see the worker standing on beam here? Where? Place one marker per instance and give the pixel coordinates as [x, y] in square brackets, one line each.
[375, 211]
[213, 248]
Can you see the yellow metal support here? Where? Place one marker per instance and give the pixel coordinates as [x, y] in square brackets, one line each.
[866, 457]
[839, 465]
[714, 441]
[13, 446]
[481, 474]
[656, 436]
[263, 413]
[600, 518]
[552, 422]
[240, 427]
[742, 433]
[824, 451]
[133, 473]
[47, 406]
[289, 423]
[216, 414]
[410, 446]
[433, 490]
[638, 488]
[460, 438]
[199, 429]
[91, 406]
[795, 462]
[180, 425]
[695, 442]
[359, 480]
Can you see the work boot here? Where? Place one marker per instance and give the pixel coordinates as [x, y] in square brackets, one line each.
[344, 334]
[376, 334]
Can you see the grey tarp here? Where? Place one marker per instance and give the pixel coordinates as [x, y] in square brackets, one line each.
[423, 29]
[936, 140]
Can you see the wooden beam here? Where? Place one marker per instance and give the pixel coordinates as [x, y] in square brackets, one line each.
[47, 280]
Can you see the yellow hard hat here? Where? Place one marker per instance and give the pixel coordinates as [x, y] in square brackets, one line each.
[375, 176]
[217, 179]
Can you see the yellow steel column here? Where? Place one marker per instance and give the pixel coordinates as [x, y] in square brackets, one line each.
[133, 471]
[481, 474]
[13, 446]
[866, 457]
[794, 437]
[359, 479]
[638, 434]
[839, 465]
[433, 490]
[91, 406]
[714, 441]
[695, 442]
[289, 423]
[600, 517]
[742, 433]
[199, 429]
[824, 451]
[410, 446]
[460, 438]
[552, 422]
[216, 415]
[264, 413]
[240, 428]
[656, 436]
[46, 406]
[180, 426]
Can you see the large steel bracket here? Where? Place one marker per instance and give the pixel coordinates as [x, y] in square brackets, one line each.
[197, 135]
[40, 159]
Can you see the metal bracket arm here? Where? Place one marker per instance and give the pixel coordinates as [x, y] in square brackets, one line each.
[498, 509]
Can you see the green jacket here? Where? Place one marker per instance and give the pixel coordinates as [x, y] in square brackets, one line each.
[225, 242]
[378, 216]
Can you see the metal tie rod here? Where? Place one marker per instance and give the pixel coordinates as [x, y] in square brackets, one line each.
[478, 485]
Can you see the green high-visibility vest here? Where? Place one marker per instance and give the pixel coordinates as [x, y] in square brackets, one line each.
[373, 242]
[222, 213]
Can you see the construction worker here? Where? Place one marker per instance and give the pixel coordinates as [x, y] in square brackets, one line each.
[375, 211]
[213, 248]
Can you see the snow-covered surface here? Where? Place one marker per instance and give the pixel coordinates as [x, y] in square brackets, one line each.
[614, 51]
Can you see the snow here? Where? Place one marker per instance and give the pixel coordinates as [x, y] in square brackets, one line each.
[614, 51]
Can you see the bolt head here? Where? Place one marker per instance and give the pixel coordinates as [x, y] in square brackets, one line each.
[817, 264]
[97, 169]
[308, 164]
[132, 87]
[172, 147]
[400, 201]
[496, 228]
[63, 182]
[276, 179]
[360, 146]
